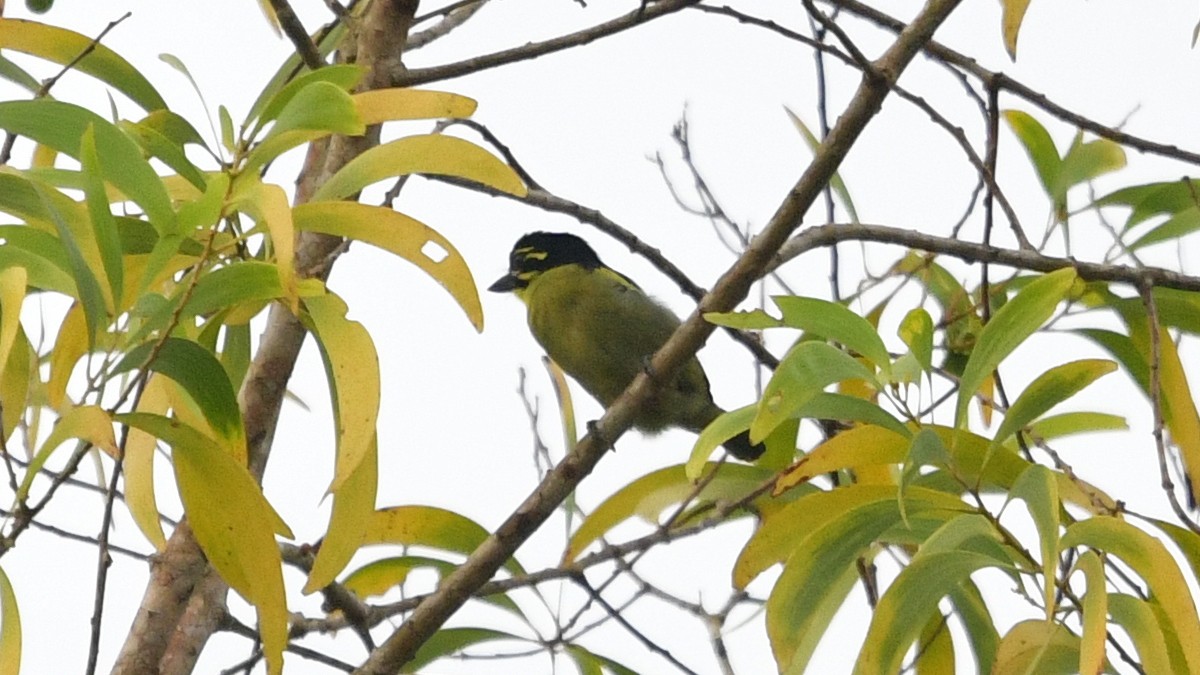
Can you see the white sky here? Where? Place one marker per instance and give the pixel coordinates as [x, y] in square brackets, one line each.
[453, 432]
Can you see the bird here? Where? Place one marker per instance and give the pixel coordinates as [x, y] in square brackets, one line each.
[601, 329]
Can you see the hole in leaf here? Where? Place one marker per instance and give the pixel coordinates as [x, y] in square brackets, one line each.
[434, 251]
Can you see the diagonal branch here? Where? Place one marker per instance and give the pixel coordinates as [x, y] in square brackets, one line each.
[728, 292]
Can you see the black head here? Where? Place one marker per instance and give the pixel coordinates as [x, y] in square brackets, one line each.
[537, 252]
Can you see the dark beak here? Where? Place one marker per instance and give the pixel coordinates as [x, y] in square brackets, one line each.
[505, 284]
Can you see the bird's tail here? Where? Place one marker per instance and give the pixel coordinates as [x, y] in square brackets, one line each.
[740, 446]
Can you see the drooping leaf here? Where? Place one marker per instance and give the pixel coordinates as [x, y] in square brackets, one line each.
[379, 576]
[61, 126]
[916, 329]
[12, 296]
[352, 368]
[1014, 14]
[429, 526]
[233, 523]
[1153, 563]
[909, 602]
[650, 495]
[432, 154]
[88, 423]
[401, 235]
[1037, 647]
[85, 55]
[353, 509]
[138, 470]
[202, 377]
[268, 205]
[449, 641]
[1137, 618]
[10, 628]
[1095, 613]
[1038, 488]
[590, 663]
[104, 226]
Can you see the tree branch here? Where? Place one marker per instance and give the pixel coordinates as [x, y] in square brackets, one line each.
[733, 286]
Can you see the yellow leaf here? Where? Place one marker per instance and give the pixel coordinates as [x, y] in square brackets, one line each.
[268, 204]
[71, 344]
[353, 509]
[88, 423]
[353, 368]
[399, 234]
[1095, 614]
[12, 295]
[1014, 14]
[233, 523]
[10, 629]
[139, 462]
[430, 153]
[383, 105]
[19, 372]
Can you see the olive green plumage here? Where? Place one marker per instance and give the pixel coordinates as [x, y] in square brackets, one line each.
[600, 328]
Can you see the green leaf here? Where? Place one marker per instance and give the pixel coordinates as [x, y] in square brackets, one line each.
[352, 368]
[241, 282]
[1039, 145]
[449, 641]
[10, 628]
[343, 76]
[202, 377]
[85, 54]
[1095, 613]
[1067, 424]
[89, 293]
[1011, 325]
[149, 134]
[12, 296]
[320, 106]
[926, 450]
[1137, 618]
[829, 533]
[1037, 647]
[1153, 199]
[228, 139]
[61, 126]
[916, 330]
[104, 226]
[1172, 229]
[803, 373]
[232, 521]
[1153, 563]
[429, 526]
[431, 154]
[834, 321]
[1038, 488]
[380, 576]
[401, 235]
[835, 181]
[18, 76]
[1048, 390]
[590, 663]
[755, 319]
[648, 496]
[1086, 161]
[909, 602]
